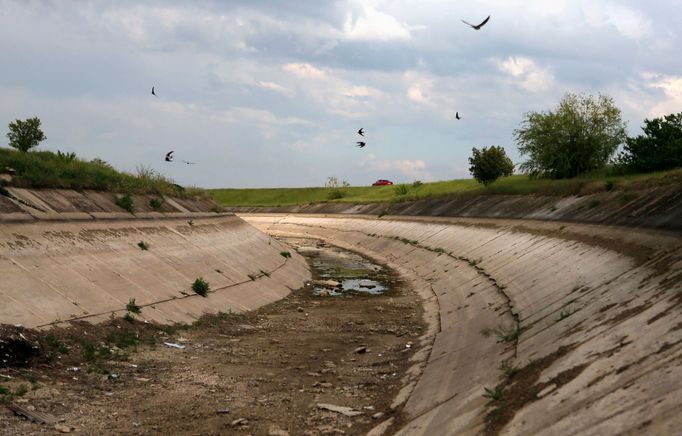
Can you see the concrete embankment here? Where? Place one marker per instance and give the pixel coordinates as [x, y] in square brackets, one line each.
[658, 207]
[66, 255]
[580, 326]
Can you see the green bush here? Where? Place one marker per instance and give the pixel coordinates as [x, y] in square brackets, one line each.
[143, 246]
[132, 307]
[659, 148]
[580, 135]
[335, 194]
[126, 202]
[285, 254]
[489, 164]
[200, 286]
[156, 203]
[401, 190]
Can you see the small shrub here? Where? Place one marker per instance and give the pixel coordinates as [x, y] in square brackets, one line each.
[132, 307]
[503, 334]
[285, 254]
[494, 395]
[129, 317]
[416, 184]
[53, 342]
[89, 352]
[507, 369]
[125, 202]
[383, 212]
[265, 273]
[21, 390]
[143, 246]
[401, 190]
[252, 277]
[335, 194]
[191, 223]
[156, 203]
[200, 286]
[609, 185]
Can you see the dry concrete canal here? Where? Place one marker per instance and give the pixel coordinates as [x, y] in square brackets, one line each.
[340, 325]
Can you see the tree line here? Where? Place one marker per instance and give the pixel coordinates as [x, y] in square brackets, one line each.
[580, 135]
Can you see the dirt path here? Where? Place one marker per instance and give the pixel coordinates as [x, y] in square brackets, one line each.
[258, 373]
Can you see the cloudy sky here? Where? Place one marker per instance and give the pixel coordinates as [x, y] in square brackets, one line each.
[271, 93]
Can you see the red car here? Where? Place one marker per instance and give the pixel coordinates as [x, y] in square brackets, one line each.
[382, 182]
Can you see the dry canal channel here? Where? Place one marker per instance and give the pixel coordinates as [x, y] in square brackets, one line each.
[328, 359]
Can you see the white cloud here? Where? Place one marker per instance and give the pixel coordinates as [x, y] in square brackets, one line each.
[305, 71]
[274, 87]
[531, 76]
[372, 24]
[414, 169]
[672, 90]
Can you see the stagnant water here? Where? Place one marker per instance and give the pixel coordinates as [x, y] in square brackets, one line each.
[353, 273]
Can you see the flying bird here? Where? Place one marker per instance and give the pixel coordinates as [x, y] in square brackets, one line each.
[154, 93]
[478, 26]
[361, 132]
[361, 144]
[169, 156]
[189, 163]
[457, 116]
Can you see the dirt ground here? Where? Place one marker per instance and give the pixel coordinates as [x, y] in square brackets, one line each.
[260, 373]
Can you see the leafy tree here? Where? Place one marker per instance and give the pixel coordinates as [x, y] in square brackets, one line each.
[489, 164]
[580, 135]
[660, 147]
[25, 135]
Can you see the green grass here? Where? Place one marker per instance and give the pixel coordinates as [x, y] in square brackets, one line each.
[518, 184]
[45, 169]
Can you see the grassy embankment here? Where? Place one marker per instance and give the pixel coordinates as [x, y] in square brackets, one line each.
[45, 169]
[518, 184]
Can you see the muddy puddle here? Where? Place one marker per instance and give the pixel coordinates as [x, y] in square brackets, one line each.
[338, 272]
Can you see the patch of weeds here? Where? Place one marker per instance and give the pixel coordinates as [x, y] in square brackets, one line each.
[21, 390]
[252, 277]
[125, 202]
[200, 286]
[55, 343]
[474, 262]
[129, 317]
[417, 184]
[217, 209]
[439, 250]
[89, 352]
[156, 203]
[553, 208]
[502, 333]
[285, 254]
[122, 339]
[494, 395]
[383, 212]
[265, 273]
[335, 194]
[132, 307]
[507, 369]
[191, 223]
[401, 190]
[593, 203]
[609, 185]
[143, 246]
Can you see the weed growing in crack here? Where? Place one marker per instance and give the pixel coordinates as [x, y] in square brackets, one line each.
[132, 307]
[502, 333]
[143, 246]
[200, 286]
[507, 369]
[494, 395]
[264, 273]
[129, 317]
[285, 254]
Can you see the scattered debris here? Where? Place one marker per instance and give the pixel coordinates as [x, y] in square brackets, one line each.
[222, 411]
[174, 345]
[360, 350]
[347, 411]
[61, 428]
[329, 283]
[239, 422]
[35, 416]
